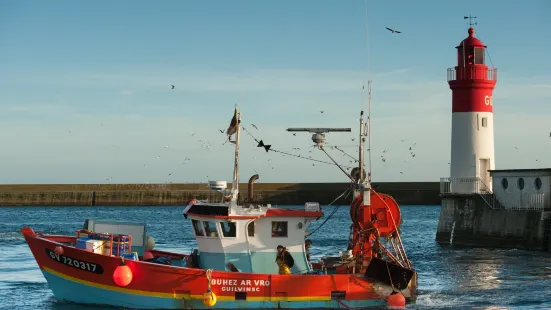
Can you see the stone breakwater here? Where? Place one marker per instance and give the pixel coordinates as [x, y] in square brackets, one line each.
[405, 193]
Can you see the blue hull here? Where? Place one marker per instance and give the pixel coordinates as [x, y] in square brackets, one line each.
[68, 290]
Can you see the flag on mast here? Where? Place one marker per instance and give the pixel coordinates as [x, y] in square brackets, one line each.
[233, 124]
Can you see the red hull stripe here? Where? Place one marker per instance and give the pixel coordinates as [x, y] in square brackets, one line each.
[182, 296]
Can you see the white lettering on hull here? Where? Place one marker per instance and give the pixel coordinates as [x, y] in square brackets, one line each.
[233, 285]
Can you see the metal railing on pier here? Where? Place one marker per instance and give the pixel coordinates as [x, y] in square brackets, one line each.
[463, 185]
[474, 185]
[535, 202]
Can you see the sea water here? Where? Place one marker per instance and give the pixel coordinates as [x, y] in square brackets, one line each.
[466, 278]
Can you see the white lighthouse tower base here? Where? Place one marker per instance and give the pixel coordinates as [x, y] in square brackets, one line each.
[472, 152]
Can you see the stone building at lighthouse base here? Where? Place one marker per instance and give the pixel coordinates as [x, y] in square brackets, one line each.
[516, 214]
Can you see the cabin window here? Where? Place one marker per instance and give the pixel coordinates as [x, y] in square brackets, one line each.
[197, 228]
[210, 229]
[537, 184]
[484, 121]
[250, 229]
[520, 183]
[279, 229]
[228, 229]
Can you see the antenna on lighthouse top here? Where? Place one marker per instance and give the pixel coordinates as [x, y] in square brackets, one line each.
[470, 18]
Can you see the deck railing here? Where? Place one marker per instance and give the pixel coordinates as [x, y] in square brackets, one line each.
[472, 73]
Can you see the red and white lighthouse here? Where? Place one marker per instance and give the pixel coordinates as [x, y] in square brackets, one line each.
[472, 143]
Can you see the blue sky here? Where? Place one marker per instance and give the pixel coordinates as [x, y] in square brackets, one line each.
[85, 86]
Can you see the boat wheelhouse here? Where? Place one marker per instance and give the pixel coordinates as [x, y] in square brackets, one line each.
[247, 234]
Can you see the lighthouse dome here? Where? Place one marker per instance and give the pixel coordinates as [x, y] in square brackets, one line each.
[471, 41]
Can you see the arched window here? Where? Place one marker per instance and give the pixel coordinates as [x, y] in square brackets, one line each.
[520, 183]
[537, 184]
[504, 183]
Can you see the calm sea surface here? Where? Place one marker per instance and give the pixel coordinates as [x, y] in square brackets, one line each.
[448, 278]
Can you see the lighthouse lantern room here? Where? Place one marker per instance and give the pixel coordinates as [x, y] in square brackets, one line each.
[472, 141]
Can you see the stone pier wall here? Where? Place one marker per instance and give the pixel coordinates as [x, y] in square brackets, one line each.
[406, 193]
[466, 220]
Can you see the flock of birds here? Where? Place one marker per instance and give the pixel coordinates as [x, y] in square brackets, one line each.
[295, 150]
[292, 151]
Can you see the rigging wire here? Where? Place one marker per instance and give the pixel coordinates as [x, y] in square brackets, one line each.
[346, 173]
[366, 40]
[353, 158]
[487, 50]
[294, 155]
[345, 193]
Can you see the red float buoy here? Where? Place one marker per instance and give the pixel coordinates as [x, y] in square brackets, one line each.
[396, 301]
[122, 275]
[58, 250]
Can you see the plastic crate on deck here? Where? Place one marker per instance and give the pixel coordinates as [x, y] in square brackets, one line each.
[132, 256]
[136, 230]
[121, 244]
[81, 243]
[90, 245]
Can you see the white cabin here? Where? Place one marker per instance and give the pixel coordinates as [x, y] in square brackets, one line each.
[523, 189]
[248, 235]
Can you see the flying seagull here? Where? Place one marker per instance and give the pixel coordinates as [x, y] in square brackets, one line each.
[393, 31]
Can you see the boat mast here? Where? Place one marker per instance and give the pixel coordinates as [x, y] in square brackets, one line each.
[364, 183]
[368, 129]
[365, 128]
[235, 184]
[361, 146]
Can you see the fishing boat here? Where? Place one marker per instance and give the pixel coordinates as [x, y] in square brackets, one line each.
[242, 261]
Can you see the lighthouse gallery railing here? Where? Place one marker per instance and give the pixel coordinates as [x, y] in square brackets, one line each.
[472, 73]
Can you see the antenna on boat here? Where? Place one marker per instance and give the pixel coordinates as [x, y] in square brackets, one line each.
[318, 138]
[368, 129]
[363, 181]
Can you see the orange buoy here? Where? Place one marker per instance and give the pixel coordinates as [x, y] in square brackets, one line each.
[58, 250]
[122, 275]
[396, 301]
